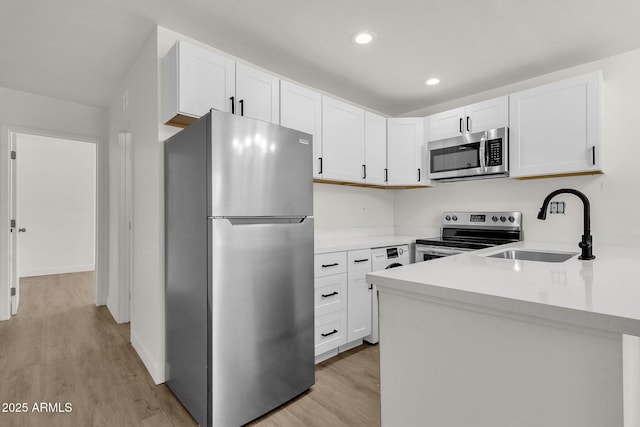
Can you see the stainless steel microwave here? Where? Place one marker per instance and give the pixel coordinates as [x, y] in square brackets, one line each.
[470, 156]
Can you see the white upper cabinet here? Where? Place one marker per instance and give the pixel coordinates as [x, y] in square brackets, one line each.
[257, 94]
[478, 117]
[194, 81]
[301, 109]
[447, 124]
[375, 148]
[405, 160]
[556, 129]
[342, 141]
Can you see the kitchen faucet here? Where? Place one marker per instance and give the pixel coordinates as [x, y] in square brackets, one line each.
[586, 244]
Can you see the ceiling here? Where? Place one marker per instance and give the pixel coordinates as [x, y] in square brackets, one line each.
[80, 50]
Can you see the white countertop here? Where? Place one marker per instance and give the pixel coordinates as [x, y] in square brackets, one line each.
[335, 244]
[602, 294]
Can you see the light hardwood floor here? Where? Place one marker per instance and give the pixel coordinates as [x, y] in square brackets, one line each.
[60, 349]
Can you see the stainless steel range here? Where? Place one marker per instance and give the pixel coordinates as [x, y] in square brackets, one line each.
[470, 231]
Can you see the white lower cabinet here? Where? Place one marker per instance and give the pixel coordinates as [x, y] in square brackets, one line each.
[330, 294]
[342, 301]
[359, 306]
[331, 331]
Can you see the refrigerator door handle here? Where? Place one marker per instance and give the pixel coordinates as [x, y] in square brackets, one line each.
[265, 220]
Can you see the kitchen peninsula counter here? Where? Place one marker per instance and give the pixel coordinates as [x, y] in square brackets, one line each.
[474, 340]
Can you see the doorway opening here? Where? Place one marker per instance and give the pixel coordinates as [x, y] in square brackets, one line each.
[53, 205]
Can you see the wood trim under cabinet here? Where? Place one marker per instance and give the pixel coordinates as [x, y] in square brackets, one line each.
[559, 175]
[181, 121]
[357, 184]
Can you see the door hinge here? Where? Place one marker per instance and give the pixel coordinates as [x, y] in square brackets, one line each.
[12, 223]
[13, 155]
[13, 292]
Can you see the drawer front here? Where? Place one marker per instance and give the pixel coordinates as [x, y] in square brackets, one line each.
[331, 331]
[359, 260]
[330, 294]
[331, 263]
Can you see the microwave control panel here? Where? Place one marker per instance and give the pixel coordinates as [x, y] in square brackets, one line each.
[494, 152]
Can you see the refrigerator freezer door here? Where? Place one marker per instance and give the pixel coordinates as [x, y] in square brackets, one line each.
[258, 168]
[261, 298]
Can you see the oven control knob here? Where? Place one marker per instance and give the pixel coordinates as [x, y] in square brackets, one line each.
[448, 218]
[503, 219]
[494, 218]
[511, 219]
[455, 218]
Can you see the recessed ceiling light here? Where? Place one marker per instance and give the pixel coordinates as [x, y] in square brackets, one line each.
[363, 37]
[433, 81]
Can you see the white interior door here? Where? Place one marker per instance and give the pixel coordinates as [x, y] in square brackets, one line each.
[13, 248]
[56, 197]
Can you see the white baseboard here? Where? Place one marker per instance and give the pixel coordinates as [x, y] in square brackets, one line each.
[58, 270]
[113, 309]
[157, 372]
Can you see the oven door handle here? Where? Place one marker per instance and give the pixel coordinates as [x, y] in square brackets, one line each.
[439, 251]
[483, 151]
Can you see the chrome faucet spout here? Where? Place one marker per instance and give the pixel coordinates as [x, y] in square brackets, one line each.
[586, 243]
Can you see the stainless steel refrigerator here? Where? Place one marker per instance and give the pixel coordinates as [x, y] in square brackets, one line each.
[238, 267]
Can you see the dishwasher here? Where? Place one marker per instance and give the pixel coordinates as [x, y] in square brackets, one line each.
[382, 259]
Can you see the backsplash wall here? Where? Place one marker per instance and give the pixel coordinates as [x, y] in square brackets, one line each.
[343, 206]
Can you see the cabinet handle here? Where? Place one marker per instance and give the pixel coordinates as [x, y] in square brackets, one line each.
[330, 333]
[370, 287]
[233, 104]
[461, 125]
[329, 295]
[468, 128]
[364, 171]
[320, 171]
[419, 175]
[386, 175]
[593, 155]
[361, 260]
[330, 265]
[241, 102]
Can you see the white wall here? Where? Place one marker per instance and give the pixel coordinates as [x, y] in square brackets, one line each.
[25, 111]
[56, 205]
[614, 196]
[140, 117]
[354, 210]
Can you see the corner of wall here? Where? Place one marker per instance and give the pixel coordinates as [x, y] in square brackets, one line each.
[156, 370]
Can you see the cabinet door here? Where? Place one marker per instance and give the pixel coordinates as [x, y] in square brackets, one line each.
[486, 115]
[405, 138]
[257, 94]
[194, 81]
[301, 109]
[342, 141]
[358, 306]
[556, 129]
[375, 148]
[330, 331]
[447, 124]
[330, 294]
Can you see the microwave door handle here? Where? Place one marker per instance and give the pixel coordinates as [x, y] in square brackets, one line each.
[483, 150]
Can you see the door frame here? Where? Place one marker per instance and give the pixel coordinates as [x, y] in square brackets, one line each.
[125, 229]
[7, 133]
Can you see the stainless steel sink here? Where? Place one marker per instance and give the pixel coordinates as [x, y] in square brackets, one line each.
[533, 255]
